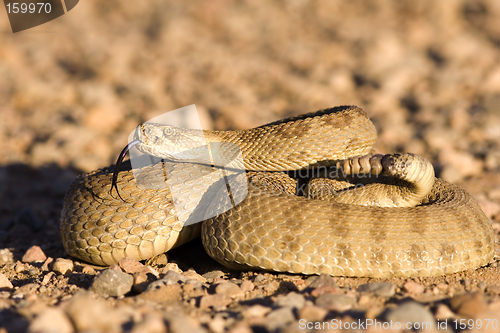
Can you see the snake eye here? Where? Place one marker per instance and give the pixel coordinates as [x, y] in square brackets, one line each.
[168, 131]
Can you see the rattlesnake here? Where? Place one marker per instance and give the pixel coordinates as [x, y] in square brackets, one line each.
[437, 229]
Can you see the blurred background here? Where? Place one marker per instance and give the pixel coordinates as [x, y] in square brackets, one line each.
[71, 90]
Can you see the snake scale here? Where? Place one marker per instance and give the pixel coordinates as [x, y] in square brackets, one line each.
[401, 221]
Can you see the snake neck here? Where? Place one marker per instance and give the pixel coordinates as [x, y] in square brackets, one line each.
[315, 139]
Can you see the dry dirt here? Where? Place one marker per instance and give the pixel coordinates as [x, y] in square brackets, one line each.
[427, 72]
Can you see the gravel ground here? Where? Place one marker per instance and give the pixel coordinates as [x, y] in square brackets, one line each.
[427, 73]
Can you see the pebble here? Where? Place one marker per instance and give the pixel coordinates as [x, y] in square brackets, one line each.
[247, 286]
[270, 287]
[90, 314]
[19, 267]
[5, 282]
[256, 311]
[152, 323]
[217, 301]
[47, 278]
[336, 302]
[382, 289]
[112, 283]
[170, 267]
[178, 322]
[493, 289]
[312, 313]
[468, 305]
[210, 276]
[34, 254]
[192, 275]
[52, 320]
[292, 300]
[172, 277]
[410, 311]
[413, 288]
[45, 266]
[217, 324]
[6, 257]
[323, 280]
[443, 312]
[26, 291]
[279, 318]
[230, 289]
[171, 294]
[240, 327]
[129, 265]
[87, 269]
[140, 282]
[63, 266]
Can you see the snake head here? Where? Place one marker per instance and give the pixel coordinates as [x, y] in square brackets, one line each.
[172, 143]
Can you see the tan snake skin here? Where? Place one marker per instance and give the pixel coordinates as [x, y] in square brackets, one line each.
[345, 235]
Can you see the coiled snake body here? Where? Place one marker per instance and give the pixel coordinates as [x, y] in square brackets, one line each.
[401, 222]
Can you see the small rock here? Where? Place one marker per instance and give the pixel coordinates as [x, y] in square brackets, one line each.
[217, 301]
[6, 257]
[19, 267]
[52, 320]
[217, 324]
[45, 266]
[191, 274]
[47, 277]
[115, 267]
[324, 290]
[90, 314]
[256, 311]
[312, 313]
[413, 288]
[112, 283]
[170, 267]
[336, 302]
[247, 285]
[210, 276]
[172, 277]
[162, 293]
[469, 305]
[365, 300]
[178, 322]
[279, 318]
[482, 285]
[383, 289]
[152, 323]
[87, 269]
[270, 287]
[230, 289]
[63, 266]
[443, 312]
[5, 282]
[34, 254]
[493, 289]
[129, 265]
[292, 300]
[140, 282]
[26, 290]
[410, 312]
[240, 327]
[323, 280]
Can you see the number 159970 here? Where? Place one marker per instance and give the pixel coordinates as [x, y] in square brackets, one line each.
[22, 7]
